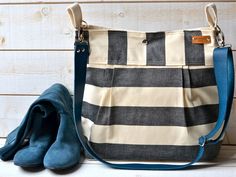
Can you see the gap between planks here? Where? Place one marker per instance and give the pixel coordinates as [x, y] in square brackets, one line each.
[9, 2]
[45, 50]
[36, 50]
[19, 94]
[29, 94]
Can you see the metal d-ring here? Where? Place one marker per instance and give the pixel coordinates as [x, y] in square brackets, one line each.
[220, 36]
[79, 35]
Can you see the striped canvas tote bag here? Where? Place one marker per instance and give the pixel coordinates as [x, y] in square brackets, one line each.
[151, 96]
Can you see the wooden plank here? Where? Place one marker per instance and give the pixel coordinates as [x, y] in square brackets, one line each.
[13, 109]
[18, 83]
[31, 62]
[2, 141]
[33, 72]
[47, 26]
[225, 167]
[88, 170]
[30, 73]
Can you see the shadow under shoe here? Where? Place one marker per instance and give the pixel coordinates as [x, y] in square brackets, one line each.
[43, 133]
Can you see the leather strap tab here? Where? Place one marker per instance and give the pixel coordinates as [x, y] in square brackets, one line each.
[211, 15]
[75, 14]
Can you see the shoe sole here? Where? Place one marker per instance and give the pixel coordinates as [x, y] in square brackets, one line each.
[61, 168]
[29, 165]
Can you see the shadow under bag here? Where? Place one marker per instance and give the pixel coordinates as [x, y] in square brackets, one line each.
[151, 96]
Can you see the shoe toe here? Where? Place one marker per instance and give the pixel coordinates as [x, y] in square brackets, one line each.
[61, 157]
[29, 157]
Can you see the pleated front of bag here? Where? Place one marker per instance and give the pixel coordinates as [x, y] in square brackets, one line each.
[149, 96]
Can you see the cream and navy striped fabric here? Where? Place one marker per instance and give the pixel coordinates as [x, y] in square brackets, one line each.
[149, 96]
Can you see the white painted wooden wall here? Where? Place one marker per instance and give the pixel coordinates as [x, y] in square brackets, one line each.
[36, 43]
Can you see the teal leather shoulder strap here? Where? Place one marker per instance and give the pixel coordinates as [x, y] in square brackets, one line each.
[224, 74]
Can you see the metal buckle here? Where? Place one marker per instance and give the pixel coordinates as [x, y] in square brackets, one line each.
[220, 36]
[202, 141]
[79, 35]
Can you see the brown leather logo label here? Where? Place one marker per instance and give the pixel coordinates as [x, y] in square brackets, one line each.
[201, 39]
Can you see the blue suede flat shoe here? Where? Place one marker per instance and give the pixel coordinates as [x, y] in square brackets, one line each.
[65, 151]
[43, 133]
